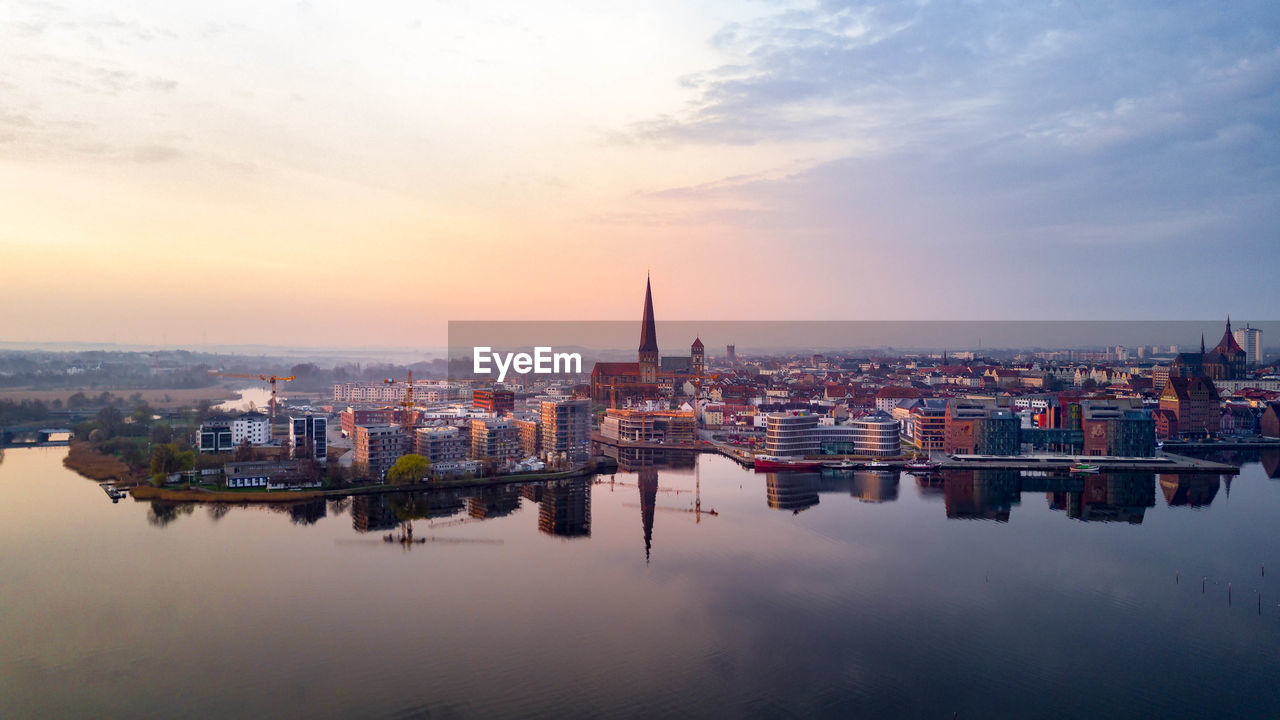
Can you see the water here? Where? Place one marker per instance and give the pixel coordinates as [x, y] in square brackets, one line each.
[868, 596]
[258, 398]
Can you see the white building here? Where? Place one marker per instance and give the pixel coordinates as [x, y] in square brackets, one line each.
[254, 427]
[1250, 338]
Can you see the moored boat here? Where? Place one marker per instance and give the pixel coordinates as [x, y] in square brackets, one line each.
[775, 463]
[1086, 468]
[845, 464]
[921, 466]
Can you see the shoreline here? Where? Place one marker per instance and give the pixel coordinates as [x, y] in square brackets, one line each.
[150, 492]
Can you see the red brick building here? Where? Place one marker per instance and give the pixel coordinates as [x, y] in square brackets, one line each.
[1194, 402]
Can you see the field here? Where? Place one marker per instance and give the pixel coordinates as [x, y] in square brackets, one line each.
[154, 398]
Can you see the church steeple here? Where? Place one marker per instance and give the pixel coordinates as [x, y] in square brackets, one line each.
[648, 360]
[1202, 343]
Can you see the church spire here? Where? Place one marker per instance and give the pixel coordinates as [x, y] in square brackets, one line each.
[1202, 343]
[1228, 323]
[648, 333]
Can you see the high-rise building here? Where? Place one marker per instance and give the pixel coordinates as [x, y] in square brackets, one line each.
[308, 436]
[254, 427]
[565, 425]
[493, 400]
[378, 447]
[440, 444]
[495, 438]
[1250, 338]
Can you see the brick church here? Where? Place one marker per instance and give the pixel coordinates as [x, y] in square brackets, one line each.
[652, 376]
[1226, 361]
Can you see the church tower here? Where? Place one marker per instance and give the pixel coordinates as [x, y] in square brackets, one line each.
[697, 357]
[648, 340]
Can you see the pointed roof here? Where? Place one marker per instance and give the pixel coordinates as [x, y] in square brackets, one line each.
[648, 333]
[1228, 345]
[697, 342]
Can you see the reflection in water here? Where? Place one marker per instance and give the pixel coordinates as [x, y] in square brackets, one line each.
[1111, 497]
[564, 508]
[1189, 490]
[647, 480]
[876, 487]
[794, 491]
[161, 512]
[371, 513]
[982, 494]
[493, 502]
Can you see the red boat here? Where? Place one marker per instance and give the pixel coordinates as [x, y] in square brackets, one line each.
[774, 463]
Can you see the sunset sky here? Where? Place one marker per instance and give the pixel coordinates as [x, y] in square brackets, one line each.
[340, 173]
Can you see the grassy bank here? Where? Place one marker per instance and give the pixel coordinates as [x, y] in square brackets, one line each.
[148, 492]
[84, 458]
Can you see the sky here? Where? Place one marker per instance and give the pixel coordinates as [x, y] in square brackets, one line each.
[339, 174]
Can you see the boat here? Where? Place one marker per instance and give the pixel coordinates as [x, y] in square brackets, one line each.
[845, 464]
[774, 463]
[1086, 468]
[877, 465]
[921, 466]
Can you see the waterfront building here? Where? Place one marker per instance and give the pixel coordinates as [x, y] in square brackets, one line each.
[377, 447]
[440, 444]
[979, 427]
[566, 427]
[308, 436]
[788, 434]
[1118, 428]
[876, 435]
[929, 424]
[649, 426]
[1250, 338]
[215, 437]
[495, 438]
[1192, 404]
[493, 400]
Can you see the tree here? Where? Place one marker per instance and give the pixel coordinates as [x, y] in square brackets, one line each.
[409, 468]
[244, 451]
[111, 420]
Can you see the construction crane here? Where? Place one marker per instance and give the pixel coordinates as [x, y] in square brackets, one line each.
[406, 404]
[273, 379]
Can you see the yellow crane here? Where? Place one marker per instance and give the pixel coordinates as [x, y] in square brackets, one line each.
[273, 379]
[406, 404]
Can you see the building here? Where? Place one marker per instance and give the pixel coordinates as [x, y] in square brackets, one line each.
[1118, 428]
[440, 444]
[429, 392]
[566, 427]
[1226, 361]
[927, 424]
[529, 433]
[351, 417]
[649, 426]
[730, 354]
[377, 448]
[876, 435]
[1270, 422]
[493, 400]
[890, 396]
[792, 434]
[254, 427]
[308, 437]
[1250, 338]
[651, 377]
[1193, 404]
[979, 427]
[495, 438]
[215, 437]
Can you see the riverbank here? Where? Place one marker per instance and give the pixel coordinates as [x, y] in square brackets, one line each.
[186, 494]
[83, 458]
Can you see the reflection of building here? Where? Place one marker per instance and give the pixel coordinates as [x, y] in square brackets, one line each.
[493, 502]
[791, 491]
[372, 512]
[875, 487]
[647, 480]
[564, 508]
[1189, 490]
[1111, 497]
[981, 494]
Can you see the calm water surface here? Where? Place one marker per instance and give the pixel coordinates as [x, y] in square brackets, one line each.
[867, 595]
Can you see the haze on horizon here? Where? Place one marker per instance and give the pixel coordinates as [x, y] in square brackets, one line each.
[326, 174]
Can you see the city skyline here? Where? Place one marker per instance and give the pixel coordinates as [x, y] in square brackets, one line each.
[183, 175]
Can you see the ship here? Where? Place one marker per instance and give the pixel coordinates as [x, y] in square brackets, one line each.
[776, 463]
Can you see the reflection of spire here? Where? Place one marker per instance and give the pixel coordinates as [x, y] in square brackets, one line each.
[648, 483]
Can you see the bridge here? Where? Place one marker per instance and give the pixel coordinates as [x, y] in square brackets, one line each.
[34, 437]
